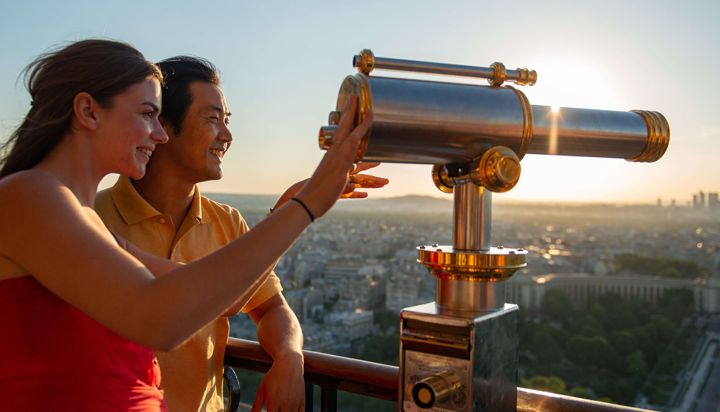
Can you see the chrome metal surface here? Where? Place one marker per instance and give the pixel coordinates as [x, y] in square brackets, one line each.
[496, 73]
[478, 351]
[584, 132]
[418, 121]
[462, 296]
[472, 216]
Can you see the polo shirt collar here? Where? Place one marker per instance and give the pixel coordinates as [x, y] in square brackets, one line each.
[133, 208]
[196, 206]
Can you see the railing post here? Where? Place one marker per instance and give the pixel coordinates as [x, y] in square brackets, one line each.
[309, 395]
[328, 400]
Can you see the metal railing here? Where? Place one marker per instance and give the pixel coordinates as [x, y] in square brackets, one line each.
[333, 373]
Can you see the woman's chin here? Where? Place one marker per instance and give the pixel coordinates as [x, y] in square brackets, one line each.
[137, 172]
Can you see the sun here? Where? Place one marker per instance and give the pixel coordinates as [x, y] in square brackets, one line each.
[572, 84]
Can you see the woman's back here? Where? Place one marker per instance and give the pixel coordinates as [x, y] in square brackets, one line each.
[54, 357]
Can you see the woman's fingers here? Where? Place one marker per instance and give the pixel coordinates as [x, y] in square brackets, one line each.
[347, 117]
[352, 140]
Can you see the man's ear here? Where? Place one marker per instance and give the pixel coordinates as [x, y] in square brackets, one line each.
[85, 110]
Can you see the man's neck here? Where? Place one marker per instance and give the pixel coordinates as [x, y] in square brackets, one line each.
[170, 196]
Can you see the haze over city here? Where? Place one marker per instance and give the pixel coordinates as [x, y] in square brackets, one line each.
[282, 64]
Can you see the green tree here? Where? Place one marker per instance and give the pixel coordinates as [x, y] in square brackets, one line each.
[381, 349]
[386, 319]
[677, 304]
[581, 392]
[636, 365]
[545, 383]
[623, 341]
[546, 348]
[557, 305]
[589, 351]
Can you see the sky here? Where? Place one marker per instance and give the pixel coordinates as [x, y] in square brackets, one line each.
[282, 63]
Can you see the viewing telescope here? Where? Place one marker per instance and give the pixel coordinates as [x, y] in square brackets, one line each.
[432, 122]
[459, 353]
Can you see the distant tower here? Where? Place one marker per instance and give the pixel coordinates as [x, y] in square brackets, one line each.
[659, 202]
[713, 202]
[672, 203]
[701, 199]
[695, 202]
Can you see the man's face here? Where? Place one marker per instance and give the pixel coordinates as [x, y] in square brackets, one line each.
[204, 136]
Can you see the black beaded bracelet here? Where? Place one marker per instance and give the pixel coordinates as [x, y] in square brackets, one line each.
[310, 215]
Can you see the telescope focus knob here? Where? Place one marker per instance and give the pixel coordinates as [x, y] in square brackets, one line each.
[435, 388]
[498, 169]
[441, 179]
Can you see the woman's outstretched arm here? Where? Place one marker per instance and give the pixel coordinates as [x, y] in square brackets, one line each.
[47, 232]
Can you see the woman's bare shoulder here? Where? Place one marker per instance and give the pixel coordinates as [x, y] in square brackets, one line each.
[31, 200]
[31, 185]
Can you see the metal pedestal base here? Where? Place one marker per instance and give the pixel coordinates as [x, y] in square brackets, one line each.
[457, 362]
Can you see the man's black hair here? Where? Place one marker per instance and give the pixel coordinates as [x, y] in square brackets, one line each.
[179, 72]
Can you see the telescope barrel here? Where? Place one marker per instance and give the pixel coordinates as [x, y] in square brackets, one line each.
[635, 136]
[428, 122]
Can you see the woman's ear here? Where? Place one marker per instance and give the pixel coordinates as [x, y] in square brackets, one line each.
[85, 110]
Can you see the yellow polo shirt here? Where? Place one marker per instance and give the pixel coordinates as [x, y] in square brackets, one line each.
[191, 374]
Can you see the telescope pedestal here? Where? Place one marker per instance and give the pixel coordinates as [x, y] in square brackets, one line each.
[458, 361]
[459, 353]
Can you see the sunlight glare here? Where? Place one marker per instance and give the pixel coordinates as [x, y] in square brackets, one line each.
[573, 84]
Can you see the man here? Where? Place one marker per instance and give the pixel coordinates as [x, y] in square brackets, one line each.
[165, 214]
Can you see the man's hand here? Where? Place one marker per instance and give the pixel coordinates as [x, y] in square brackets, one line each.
[362, 181]
[279, 333]
[355, 181]
[283, 387]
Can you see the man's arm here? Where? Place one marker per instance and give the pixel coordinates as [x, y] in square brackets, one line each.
[279, 333]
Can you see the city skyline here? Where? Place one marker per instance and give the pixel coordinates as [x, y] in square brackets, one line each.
[282, 63]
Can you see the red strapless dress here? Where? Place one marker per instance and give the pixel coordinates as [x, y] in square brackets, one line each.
[53, 357]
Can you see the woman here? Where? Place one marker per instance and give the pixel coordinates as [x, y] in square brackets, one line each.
[80, 309]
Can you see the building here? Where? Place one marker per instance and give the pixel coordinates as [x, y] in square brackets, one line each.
[713, 203]
[352, 325]
[528, 291]
[340, 268]
[402, 290]
[304, 301]
[365, 288]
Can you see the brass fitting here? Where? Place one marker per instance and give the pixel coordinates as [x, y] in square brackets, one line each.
[325, 137]
[658, 137]
[498, 169]
[495, 264]
[526, 77]
[365, 61]
[441, 179]
[499, 74]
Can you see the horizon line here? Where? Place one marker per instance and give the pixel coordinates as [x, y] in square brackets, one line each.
[500, 200]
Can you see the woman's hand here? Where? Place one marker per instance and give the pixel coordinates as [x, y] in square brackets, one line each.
[331, 177]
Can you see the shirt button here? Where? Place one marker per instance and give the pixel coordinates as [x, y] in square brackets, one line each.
[161, 220]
